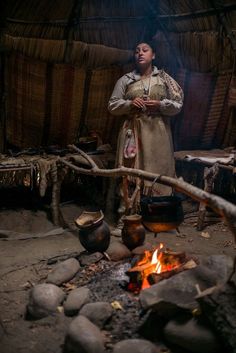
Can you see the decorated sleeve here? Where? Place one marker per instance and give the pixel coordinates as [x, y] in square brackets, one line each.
[173, 103]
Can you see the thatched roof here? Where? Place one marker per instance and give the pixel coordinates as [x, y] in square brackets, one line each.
[183, 29]
[117, 23]
[109, 17]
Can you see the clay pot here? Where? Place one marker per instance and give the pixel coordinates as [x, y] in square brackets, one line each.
[94, 232]
[133, 232]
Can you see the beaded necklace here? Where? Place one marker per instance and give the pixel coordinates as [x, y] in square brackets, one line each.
[146, 89]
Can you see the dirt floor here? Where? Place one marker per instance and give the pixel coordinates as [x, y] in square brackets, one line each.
[32, 240]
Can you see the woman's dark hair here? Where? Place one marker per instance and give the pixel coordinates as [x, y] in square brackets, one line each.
[151, 44]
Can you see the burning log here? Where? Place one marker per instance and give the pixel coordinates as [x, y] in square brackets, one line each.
[154, 267]
[172, 258]
[154, 278]
[138, 274]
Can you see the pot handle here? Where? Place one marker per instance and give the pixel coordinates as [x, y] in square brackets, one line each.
[149, 194]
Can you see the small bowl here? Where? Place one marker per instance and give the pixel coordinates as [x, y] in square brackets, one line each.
[89, 219]
[87, 144]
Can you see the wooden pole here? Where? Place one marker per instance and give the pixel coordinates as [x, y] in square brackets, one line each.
[2, 103]
[210, 175]
[224, 208]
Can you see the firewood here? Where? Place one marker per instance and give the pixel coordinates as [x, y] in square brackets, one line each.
[170, 257]
[157, 277]
[143, 269]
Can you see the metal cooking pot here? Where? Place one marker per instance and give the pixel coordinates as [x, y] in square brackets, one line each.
[161, 213]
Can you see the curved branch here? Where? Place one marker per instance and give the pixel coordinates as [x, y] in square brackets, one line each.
[224, 208]
[85, 155]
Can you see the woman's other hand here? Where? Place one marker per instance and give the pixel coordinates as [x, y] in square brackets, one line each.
[152, 106]
[138, 103]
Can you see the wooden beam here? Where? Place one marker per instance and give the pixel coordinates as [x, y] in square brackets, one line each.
[224, 208]
[183, 16]
[2, 104]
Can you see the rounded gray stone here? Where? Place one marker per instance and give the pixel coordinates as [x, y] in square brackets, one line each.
[83, 336]
[44, 299]
[63, 272]
[192, 336]
[118, 251]
[135, 346]
[98, 312]
[76, 299]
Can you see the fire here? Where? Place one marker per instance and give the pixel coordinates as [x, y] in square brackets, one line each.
[154, 266]
[156, 259]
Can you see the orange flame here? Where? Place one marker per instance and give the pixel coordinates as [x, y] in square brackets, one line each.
[159, 263]
[154, 259]
[153, 267]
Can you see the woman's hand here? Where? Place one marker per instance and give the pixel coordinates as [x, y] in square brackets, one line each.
[138, 103]
[152, 106]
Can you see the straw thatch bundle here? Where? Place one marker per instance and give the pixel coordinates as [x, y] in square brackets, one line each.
[197, 51]
[36, 30]
[80, 54]
[95, 56]
[41, 49]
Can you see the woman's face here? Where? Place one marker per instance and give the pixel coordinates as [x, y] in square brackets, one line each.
[143, 54]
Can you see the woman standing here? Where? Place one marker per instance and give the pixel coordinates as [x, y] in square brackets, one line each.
[148, 97]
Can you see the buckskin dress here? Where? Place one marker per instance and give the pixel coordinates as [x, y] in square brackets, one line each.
[145, 141]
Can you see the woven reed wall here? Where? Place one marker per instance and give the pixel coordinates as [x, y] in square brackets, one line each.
[25, 89]
[97, 116]
[66, 55]
[46, 103]
[205, 110]
[43, 102]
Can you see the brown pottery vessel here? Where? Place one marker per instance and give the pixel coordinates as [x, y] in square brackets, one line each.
[94, 232]
[133, 232]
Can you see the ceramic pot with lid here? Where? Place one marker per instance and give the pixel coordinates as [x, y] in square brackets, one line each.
[94, 232]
